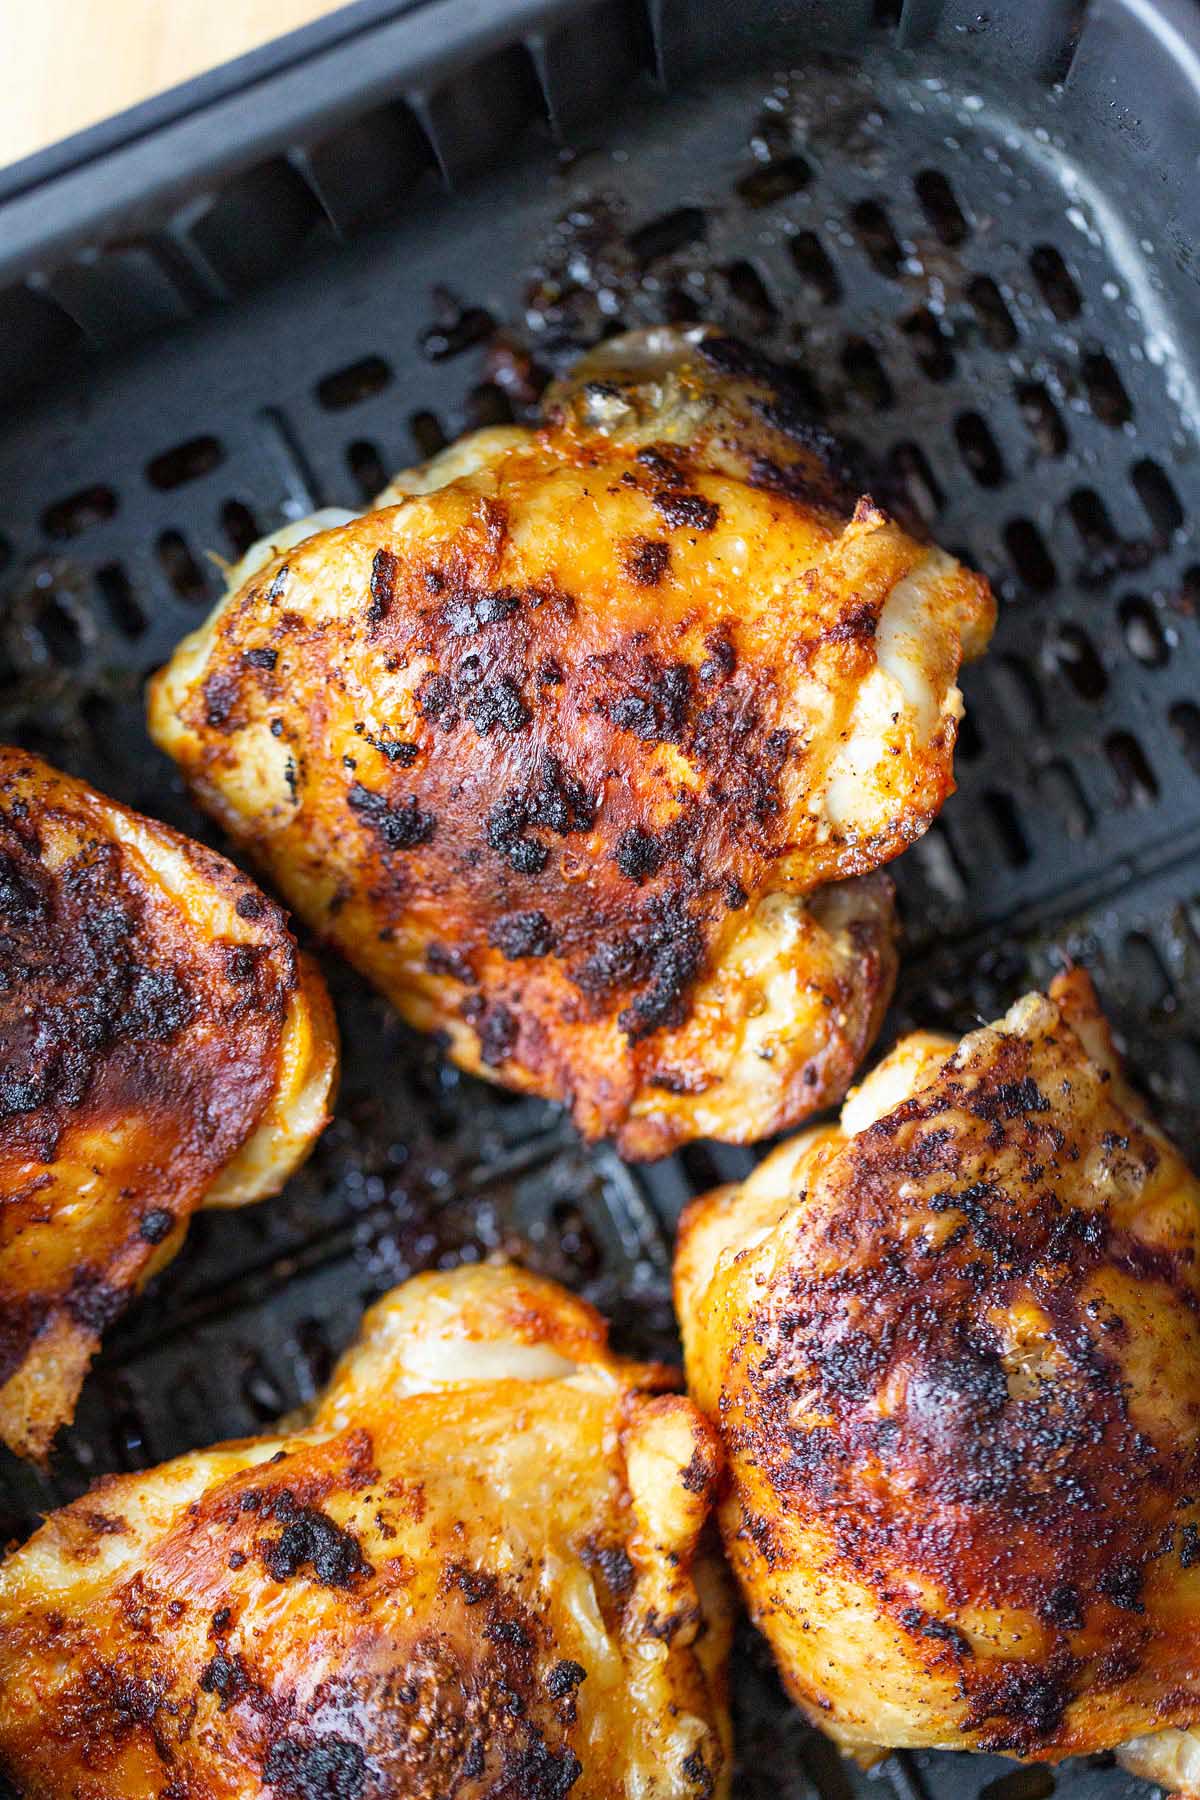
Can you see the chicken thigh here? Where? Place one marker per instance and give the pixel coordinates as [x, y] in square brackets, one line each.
[162, 1047]
[954, 1351]
[557, 744]
[475, 1571]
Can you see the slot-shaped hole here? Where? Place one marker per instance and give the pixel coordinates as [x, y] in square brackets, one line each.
[456, 327]
[240, 526]
[665, 235]
[181, 569]
[1074, 655]
[681, 307]
[1036, 1783]
[930, 343]
[969, 743]
[1136, 782]
[1055, 282]
[980, 451]
[1184, 720]
[940, 207]
[121, 602]
[1042, 418]
[885, 14]
[748, 287]
[873, 229]
[1188, 599]
[991, 310]
[427, 434]
[1016, 689]
[817, 273]
[1031, 560]
[79, 512]
[356, 382]
[1006, 824]
[61, 629]
[1143, 632]
[1105, 390]
[1157, 495]
[774, 181]
[488, 404]
[260, 1390]
[1059, 790]
[1092, 520]
[910, 470]
[866, 374]
[366, 465]
[184, 462]
[314, 1355]
[1143, 967]
[6, 552]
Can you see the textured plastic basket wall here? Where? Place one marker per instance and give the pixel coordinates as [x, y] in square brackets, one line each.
[968, 309]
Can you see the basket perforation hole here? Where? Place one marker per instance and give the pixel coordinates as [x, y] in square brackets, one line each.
[1105, 390]
[1005, 821]
[1031, 560]
[427, 433]
[909, 468]
[1017, 690]
[1188, 599]
[1035, 1783]
[260, 1390]
[121, 602]
[1059, 790]
[969, 742]
[181, 569]
[356, 382]
[366, 466]
[1074, 656]
[1136, 782]
[873, 229]
[1153, 488]
[61, 630]
[1055, 282]
[750, 290]
[979, 449]
[457, 326]
[930, 343]
[1184, 720]
[774, 181]
[488, 404]
[240, 526]
[1042, 419]
[665, 235]
[184, 462]
[315, 1357]
[6, 552]
[79, 512]
[991, 310]
[1143, 632]
[886, 14]
[817, 273]
[1092, 520]
[866, 374]
[941, 208]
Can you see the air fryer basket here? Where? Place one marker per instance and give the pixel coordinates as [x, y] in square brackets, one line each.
[968, 231]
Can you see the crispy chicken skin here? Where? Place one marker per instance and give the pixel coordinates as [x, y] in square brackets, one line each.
[476, 1570]
[162, 1047]
[954, 1349]
[557, 743]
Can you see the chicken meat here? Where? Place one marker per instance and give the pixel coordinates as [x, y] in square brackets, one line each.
[162, 1047]
[477, 1569]
[953, 1347]
[561, 743]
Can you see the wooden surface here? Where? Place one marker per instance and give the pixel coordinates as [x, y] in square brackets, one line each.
[69, 63]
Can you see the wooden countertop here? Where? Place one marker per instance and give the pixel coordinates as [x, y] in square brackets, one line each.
[70, 63]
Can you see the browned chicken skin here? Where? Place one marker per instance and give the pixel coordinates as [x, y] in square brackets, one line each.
[475, 1573]
[557, 745]
[162, 1047]
[954, 1349]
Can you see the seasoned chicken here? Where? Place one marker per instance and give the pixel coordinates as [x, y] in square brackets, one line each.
[162, 1047]
[557, 747]
[476, 1571]
[954, 1350]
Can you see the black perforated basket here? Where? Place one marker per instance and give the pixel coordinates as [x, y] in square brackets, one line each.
[974, 234]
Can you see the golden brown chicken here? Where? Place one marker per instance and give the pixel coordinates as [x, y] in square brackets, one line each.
[162, 1047]
[557, 747]
[954, 1349]
[475, 1571]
